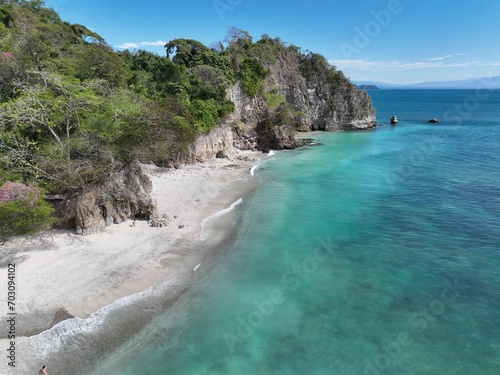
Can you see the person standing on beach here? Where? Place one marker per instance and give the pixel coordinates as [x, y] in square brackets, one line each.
[43, 370]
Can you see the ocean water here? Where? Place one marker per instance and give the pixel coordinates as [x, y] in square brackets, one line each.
[374, 252]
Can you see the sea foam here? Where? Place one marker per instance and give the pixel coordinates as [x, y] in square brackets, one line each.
[84, 335]
[253, 169]
[210, 219]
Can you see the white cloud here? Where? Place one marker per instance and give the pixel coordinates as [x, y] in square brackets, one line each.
[133, 45]
[435, 59]
[387, 66]
[440, 58]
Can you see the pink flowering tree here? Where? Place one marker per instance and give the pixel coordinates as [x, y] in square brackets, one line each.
[23, 210]
[14, 191]
[6, 56]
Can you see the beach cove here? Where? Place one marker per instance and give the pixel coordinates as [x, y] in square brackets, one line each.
[62, 275]
[370, 253]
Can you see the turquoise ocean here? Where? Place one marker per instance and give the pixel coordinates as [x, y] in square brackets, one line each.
[372, 252]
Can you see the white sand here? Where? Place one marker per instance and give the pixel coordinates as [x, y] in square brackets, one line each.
[81, 274]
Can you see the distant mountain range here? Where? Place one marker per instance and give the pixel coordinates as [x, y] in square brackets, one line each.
[487, 82]
[367, 87]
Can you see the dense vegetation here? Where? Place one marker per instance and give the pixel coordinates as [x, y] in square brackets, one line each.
[73, 110]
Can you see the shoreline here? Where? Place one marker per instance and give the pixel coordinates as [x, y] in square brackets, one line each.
[62, 275]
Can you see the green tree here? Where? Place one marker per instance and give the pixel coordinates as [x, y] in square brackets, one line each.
[238, 42]
[54, 108]
[156, 133]
[187, 52]
[253, 75]
[314, 65]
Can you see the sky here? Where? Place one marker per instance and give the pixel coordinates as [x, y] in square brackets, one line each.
[393, 41]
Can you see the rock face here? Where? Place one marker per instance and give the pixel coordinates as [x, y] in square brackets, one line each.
[319, 104]
[276, 138]
[251, 130]
[217, 143]
[125, 194]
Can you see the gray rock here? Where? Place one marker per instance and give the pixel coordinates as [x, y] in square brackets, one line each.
[123, 196]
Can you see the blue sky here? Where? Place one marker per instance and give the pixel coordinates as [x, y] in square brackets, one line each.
[397, 41]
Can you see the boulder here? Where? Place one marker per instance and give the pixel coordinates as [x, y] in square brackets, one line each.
[124, 195]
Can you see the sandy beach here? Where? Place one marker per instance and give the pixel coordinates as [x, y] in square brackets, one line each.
[60, 275]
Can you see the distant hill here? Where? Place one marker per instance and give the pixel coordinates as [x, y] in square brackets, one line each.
[486, 82]
[367, 87]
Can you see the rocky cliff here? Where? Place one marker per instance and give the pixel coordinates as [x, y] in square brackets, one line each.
[251, 127]
[323, 100]
[314, 101]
